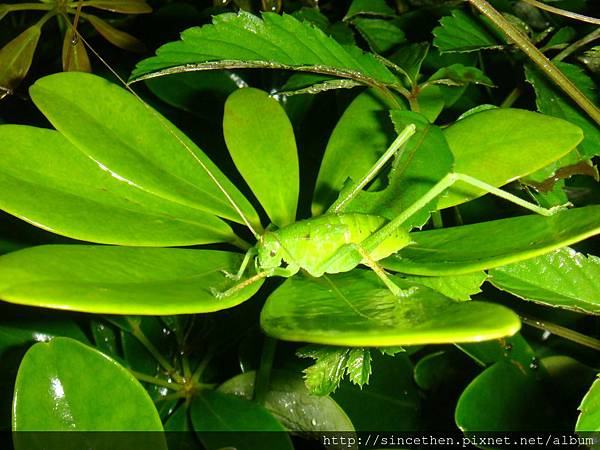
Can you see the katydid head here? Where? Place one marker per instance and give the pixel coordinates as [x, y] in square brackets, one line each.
[270, 251]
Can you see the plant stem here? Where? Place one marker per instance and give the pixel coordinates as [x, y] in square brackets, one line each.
[30, 7]
[263, 376]
[563, 332]
[436, 219]
[200, 369]
[538, 58]
[512, 97]
[563, 12]
[140, 336]
[578, 44]
[150, 379]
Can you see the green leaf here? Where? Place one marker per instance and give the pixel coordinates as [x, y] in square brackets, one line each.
[369, 7]
[514, 350]
[409, 59]
[564, 279]
[460, 32]
[84, 200]
[135, 143]
[589, 419]
[425, 159]
[261, 143]
[292, 404]
[381, 35]
[52, 395]
[116, 37]
[308, 83]
[74, 56]
[224, 420]
[332, 364]
[501, 145]
[504, 398]
[552, 101]
[470, 248]
[120, 280]
[275, 42]
[457, 287]
[390, 402]
[354, 309]
[16, 57]
[358, 140]
[459, 75]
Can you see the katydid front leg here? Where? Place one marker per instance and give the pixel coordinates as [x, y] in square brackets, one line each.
[277, 272]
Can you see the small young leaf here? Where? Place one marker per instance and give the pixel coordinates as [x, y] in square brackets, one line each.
[116, 37]
[74, 55]
[589, 419]
[358, 366]
[260, 140]
[120, 280]
[409, 59]
[16, 57]
[470, 248]
[381, 35]
[563, 278]
[550, 100]
[275, 42]
[355, 309]
[51, 394]
[462, 33]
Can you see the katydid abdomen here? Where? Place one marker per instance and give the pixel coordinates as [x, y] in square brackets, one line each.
[316, 244]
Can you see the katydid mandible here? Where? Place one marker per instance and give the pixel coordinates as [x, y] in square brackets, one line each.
[338, 242]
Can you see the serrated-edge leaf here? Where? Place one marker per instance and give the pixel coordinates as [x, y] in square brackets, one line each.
[277, 42]
[460, 32]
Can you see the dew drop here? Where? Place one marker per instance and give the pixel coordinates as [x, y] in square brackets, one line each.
[534, 364]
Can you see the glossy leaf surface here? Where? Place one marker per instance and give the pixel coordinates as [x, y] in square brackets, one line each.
[563, 278]
[16, 57]
[469, 248]
[135, 144]
[224, 420]
[63, 191]
[501, 145]
[457, 287]
[355, 309]
[120, 280]
[74, 54]
[276, 42]
[292, 404]
[261, 142]
[51, 394]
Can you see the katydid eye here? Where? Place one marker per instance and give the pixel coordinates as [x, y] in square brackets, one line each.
[273, 253]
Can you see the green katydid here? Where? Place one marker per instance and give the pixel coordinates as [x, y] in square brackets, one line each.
[335, 241]
[338, 242]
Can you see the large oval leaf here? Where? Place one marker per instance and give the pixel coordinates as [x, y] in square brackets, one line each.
[136, 144]
[469, 248]
[501, 145]
[589, 419]
[224, 420]
[355, 309]
[120, 280]
[261, 142]
[291, 403]
[52, 393]
[357, 141]
[564, 279]
[62, 190]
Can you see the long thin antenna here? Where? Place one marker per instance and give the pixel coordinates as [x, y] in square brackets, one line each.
[164, 124]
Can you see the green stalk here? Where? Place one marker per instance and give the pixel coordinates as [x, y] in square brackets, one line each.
[153, 380]
[591, 37]
[538, 58]
[140, 336]
[563, 332]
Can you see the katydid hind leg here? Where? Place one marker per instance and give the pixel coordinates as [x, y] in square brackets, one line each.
[387, 230]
